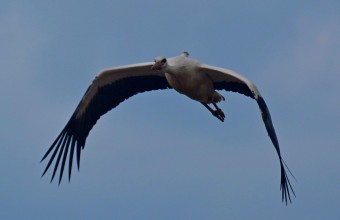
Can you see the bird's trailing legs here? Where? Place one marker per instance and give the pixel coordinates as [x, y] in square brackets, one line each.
[218, 113]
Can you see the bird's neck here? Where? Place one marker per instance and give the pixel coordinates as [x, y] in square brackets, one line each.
[174, 69]
[170, 69]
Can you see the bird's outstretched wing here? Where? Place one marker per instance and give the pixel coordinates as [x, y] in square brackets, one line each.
[109, 89]
[229, 80]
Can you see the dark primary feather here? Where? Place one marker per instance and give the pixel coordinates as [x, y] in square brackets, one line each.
[77, 129]
[241, 88]
[234, 87]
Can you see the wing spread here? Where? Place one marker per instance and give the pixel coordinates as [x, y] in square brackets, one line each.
[229, 80]
[108, 90]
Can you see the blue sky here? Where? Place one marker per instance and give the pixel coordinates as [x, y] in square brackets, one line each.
[160, 155]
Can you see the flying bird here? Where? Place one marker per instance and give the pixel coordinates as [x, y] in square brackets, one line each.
[187, 76]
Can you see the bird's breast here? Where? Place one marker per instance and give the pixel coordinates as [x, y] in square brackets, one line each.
[195, 85]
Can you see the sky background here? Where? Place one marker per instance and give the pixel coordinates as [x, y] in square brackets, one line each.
[160, 155]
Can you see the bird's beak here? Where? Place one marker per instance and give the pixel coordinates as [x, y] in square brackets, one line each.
[157, 66]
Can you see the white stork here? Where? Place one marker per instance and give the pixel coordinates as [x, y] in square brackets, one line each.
[190, 77]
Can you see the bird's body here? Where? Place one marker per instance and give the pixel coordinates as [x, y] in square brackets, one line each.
[183, 75]
[187, 76]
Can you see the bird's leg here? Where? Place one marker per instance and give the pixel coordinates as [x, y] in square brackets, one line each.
[217, 113]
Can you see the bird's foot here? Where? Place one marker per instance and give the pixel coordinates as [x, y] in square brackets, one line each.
[218, 113]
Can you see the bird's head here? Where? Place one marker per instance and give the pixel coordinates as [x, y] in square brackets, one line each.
[160, 63]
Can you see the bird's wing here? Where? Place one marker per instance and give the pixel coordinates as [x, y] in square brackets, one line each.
[108, 89]
[229, 80]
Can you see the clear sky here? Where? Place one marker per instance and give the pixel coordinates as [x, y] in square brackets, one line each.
[160, 155]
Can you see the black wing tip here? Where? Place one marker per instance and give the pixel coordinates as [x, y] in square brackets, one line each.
[285, 186]
[59, 154]
[43, 158]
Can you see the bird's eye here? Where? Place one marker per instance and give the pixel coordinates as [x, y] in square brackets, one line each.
[164, 60]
